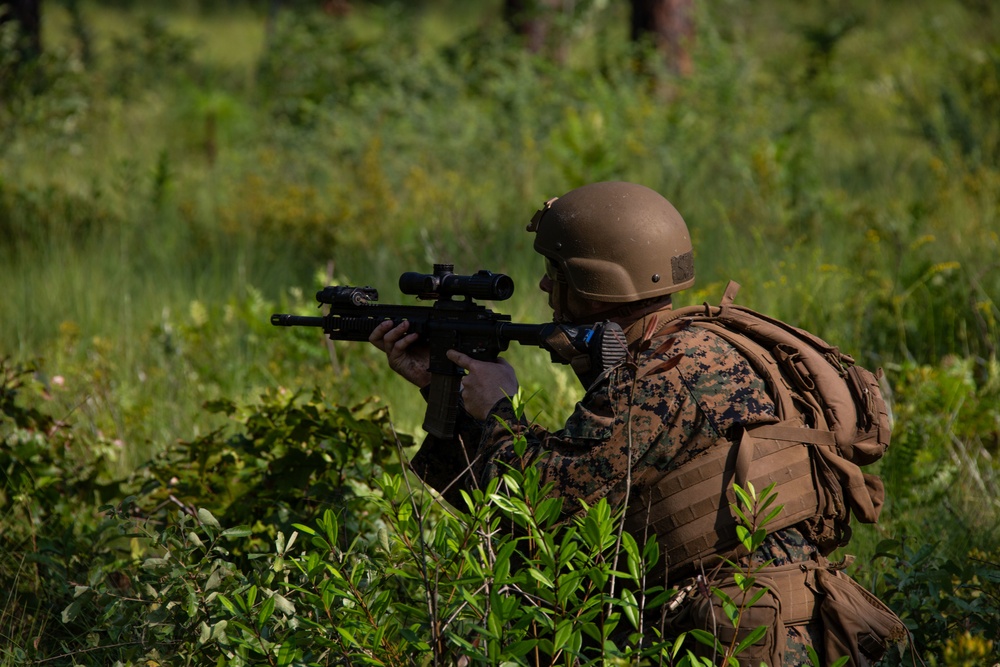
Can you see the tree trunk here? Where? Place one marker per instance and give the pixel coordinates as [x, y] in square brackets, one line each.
[670, 24]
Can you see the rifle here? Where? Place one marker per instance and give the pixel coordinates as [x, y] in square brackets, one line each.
[457, 322]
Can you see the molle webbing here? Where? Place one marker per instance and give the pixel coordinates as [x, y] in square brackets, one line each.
[794, 584]
[688, 508]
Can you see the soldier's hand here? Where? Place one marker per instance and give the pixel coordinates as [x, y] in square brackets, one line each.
[486, 383]
[407, 357]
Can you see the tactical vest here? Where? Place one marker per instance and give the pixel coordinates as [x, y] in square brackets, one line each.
[830, 420]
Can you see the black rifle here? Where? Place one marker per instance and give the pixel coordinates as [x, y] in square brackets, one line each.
[458, 324]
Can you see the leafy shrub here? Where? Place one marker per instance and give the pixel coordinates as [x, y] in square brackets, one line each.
[51, 479]
[288, 460]
[950, 604]
[880, 170]
[947, 429]
[378, 571]
[154, 56]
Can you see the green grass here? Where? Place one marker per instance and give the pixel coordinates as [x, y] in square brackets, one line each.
[181, 174]
[808, 183]
[158, 206]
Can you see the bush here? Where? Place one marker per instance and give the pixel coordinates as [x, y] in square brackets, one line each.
[376, 572]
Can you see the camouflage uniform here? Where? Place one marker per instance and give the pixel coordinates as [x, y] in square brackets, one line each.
[693, 389]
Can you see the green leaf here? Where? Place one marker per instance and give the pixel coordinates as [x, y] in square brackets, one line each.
[661, 598]
[215, 578]
[634, 559]
[230, 607]
[742, 495]
[743, 520]
[501, 567]
[305, 529]
[731, 611]
[239, 531]
[251, 597]
[773, 515]
[153, 563]
[347, 635]
[757, 596]
[723, 596]
[536, 574]
[706, 638]
[744, 536]
[208, 519]
[563, 632]
[330, 526]
[70, 613]
[205, 634]
[219, 632]
[678, 643]
[266, 609]
[283, 605]
[630, 608]
[494, 625]
[751, 638]
[287, 654]
[521, 648]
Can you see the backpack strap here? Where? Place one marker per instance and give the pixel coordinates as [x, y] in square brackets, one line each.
[729, 296]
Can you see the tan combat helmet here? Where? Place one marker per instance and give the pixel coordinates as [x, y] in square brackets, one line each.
[615, 242]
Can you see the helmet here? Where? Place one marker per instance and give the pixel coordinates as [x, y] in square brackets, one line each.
[615, 242]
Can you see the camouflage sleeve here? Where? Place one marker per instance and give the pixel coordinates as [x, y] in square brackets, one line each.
[667, 406]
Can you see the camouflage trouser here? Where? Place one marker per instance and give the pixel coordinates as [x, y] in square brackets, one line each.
[800, 637]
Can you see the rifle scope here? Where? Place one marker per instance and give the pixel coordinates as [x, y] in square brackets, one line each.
[443, 283]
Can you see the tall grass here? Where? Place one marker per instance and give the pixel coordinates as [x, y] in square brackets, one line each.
[159, 203]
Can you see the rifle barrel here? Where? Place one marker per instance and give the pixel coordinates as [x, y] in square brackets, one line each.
[280, 320]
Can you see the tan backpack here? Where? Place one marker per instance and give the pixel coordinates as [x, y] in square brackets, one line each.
[831, 419]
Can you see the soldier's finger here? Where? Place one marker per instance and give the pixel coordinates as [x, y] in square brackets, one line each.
[378, 334]
[393, 335]
[460, 359]
[403, 343]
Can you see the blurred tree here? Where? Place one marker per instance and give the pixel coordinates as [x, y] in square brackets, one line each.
[80, 31]
[667, 24]
[670, 25]
[532, 20]
[27, 15]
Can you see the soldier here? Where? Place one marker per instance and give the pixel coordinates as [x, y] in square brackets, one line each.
[616, 252]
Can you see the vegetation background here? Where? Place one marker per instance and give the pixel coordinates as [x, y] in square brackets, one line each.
[173, 173]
